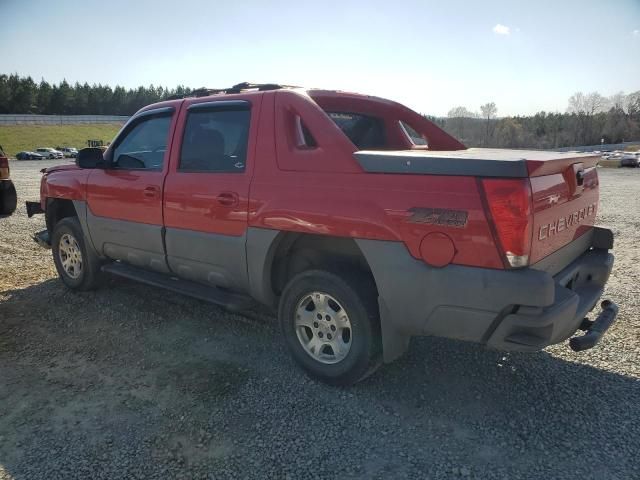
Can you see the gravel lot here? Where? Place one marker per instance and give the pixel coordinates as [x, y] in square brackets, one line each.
[133, 382]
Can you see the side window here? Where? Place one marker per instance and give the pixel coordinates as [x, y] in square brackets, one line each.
[365, 132]
[413, 135]
[215, 141]
[144, 145]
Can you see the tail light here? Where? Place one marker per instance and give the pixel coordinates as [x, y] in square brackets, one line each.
[4, 168]
[509, 203]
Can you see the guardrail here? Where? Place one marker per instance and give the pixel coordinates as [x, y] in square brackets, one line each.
[599, 147]
[24, 119]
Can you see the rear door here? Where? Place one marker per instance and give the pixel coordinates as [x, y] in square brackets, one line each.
[124, 202]
[206, 197]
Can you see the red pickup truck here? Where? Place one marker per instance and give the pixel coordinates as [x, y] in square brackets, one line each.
[356, 218]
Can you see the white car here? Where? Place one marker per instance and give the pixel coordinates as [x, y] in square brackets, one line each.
[47, 152]
[69, 152]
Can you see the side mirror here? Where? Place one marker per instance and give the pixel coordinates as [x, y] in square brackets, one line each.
[90, 158]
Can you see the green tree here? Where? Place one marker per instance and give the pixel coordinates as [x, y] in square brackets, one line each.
[61, 96]
[509, 133]
[5, 94]
[43, 97]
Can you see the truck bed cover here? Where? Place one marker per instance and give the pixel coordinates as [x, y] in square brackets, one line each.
[477, 162]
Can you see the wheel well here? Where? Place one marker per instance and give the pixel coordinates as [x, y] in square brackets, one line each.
[57, 209]
[296, 253]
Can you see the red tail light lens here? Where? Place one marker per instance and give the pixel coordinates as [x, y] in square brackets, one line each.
[509, 202]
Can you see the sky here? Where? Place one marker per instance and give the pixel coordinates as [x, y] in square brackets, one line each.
[524, 55]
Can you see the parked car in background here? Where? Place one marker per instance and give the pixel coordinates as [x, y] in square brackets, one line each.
[69, 152]
[630, 159]
[50, 153]
[8, 196]
[29, 156]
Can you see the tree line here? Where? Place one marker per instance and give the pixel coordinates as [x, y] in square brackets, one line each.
[24, 95]
[588, 120]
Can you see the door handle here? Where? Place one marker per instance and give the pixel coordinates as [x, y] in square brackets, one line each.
[151, 191]
[228, 199]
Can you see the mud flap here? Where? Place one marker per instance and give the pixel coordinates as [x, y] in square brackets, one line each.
[394, 343]
[33, 208]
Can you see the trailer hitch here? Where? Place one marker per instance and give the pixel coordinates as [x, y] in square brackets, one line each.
[595, 329]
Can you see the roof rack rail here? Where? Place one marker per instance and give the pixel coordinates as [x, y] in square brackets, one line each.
[238, 88]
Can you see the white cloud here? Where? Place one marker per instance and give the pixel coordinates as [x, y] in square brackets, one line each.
[501, 29]
[636, 33]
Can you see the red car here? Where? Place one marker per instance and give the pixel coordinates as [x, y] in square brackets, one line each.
[360, 221]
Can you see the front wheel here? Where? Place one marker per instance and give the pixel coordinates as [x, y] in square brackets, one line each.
[331, 325]
[77, 265]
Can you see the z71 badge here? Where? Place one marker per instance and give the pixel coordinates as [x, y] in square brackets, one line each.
[439, 216]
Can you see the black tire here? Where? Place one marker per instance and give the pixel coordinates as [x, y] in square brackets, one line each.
[356, 293]
[89, 274]
[8, 198]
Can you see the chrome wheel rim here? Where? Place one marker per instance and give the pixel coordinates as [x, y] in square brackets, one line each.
[70, 256]
[323, 328]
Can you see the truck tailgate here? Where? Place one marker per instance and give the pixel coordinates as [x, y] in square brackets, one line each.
[565, 204]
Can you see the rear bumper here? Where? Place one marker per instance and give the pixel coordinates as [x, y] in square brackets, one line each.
[519, 310]
[577, 290]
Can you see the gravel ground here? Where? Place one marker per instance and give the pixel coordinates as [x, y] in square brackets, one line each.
[133, 382]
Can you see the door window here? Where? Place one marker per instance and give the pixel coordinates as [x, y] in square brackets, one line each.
[144, 145]
[215, 141]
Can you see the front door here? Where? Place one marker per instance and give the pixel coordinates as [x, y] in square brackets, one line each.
[124, 213]
[207, 192]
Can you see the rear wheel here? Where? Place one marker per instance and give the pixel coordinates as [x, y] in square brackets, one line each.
[330, 323]
[77, 265]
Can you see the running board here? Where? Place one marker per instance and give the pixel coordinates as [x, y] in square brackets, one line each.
[229, 300]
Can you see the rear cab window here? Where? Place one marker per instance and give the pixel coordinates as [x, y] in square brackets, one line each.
[365, 132]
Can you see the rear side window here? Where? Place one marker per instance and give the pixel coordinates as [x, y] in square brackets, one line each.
[413, 135]
[365, 132]
[215, 141]
[304, 139]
